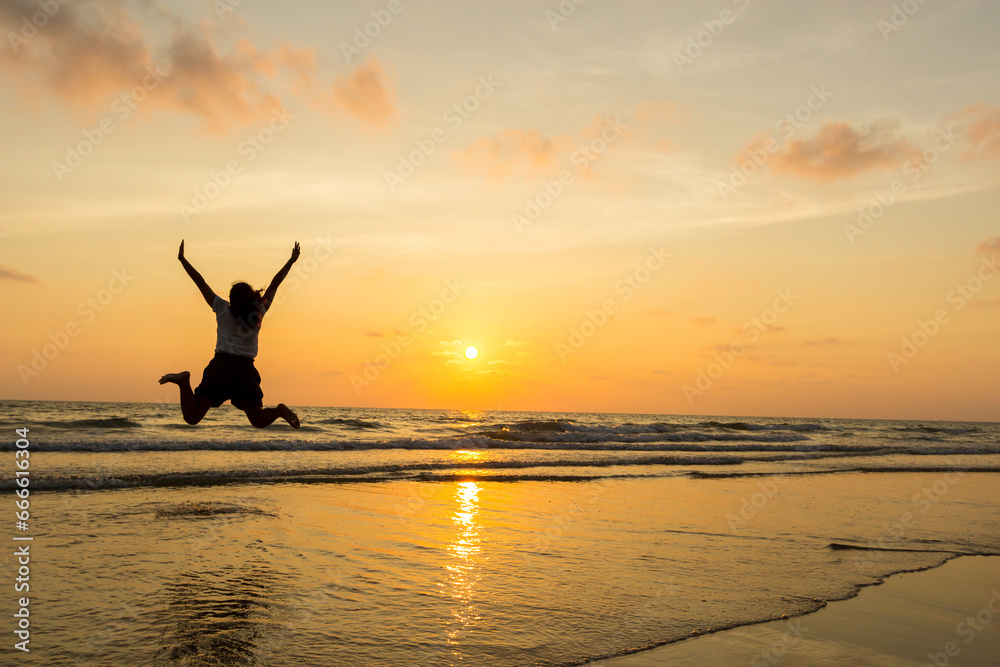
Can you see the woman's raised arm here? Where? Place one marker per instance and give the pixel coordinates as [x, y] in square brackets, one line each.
[206, 291]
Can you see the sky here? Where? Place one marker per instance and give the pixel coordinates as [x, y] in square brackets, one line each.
[734, 207]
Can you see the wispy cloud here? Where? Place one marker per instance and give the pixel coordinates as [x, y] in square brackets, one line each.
[990, 245]
[979, 125]
[93, 51]
[366, 93]
[7, 273]
[839, 150]
[501, 155]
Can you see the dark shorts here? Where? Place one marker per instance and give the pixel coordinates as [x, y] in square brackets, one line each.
[229, 377]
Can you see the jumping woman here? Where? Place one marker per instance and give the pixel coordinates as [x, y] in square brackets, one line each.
[231, 375]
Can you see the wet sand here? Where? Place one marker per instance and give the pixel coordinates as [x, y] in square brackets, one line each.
[948, 615]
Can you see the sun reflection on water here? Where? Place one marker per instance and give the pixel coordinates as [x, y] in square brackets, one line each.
[464, 455]
[463, 566]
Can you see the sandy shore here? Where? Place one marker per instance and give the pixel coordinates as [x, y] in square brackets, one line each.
[946, 616]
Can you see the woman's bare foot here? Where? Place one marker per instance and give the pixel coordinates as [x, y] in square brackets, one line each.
[287, 414]
[176, 378]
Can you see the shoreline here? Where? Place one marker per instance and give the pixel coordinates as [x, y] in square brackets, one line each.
[943, 615]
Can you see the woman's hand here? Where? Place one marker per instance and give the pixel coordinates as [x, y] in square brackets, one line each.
[295, 251]
[180, 253]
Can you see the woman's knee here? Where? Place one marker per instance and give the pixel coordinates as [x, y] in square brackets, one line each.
[254, 415]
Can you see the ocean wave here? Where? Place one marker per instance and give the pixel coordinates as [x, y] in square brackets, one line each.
[638, 433]
[209, 509]
[350, 423]
[931, 467]
[844, 546]
[104, 422]
[692, 442]
[506, 440]
[572, 469]
[934, 430]
[747, 426]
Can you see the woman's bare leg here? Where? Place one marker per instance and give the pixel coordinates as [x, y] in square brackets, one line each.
[262, 417]
[193, 407]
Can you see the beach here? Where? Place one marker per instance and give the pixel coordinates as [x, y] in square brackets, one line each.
[445, 538]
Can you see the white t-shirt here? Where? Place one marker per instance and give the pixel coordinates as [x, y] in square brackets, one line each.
[231, 336]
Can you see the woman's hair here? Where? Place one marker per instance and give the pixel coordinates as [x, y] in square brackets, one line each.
[246, 304]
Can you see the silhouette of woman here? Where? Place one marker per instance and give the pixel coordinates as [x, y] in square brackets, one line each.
[231, 374]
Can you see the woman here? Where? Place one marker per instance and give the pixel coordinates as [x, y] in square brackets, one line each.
[231, 374]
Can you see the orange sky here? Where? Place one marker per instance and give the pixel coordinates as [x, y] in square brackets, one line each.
[733, 208]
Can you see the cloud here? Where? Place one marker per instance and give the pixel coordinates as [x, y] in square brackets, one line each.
[660, 313]
[990, 245]
[986, 303]
[94, 52]
[84, 54]
[512, 149]
[375, 334]
[7, 273]
[366, 93]
[704, 321]
[502, 154]
[838, 150]
[223, 89]
[979, 125]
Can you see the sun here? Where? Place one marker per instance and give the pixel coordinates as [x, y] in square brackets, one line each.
[471, 352]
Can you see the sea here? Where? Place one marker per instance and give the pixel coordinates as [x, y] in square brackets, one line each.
[435, 537]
